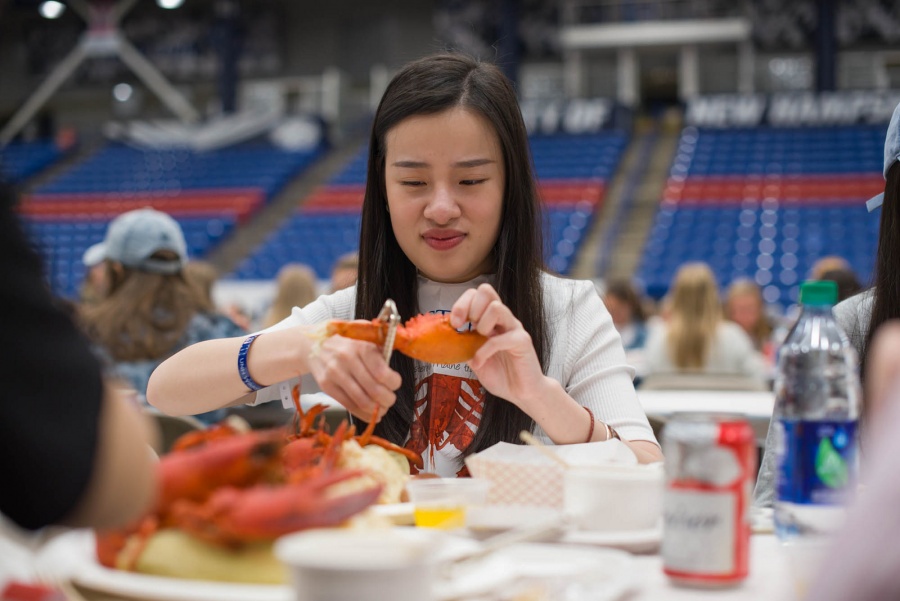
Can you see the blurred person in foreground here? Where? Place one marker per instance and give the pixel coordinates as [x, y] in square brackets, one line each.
[150, 310]
[864, 561]
[450, 227]
[345, 271]
[694, 338]
[74, 452]
[296, 288]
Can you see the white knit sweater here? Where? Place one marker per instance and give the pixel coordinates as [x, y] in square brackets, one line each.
[586, 354]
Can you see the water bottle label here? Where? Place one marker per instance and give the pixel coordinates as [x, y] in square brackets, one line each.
[818, 461]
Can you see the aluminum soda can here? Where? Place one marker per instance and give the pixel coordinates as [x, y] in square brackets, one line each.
[710, 473]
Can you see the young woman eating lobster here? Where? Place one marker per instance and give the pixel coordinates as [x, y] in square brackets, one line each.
[450, 228]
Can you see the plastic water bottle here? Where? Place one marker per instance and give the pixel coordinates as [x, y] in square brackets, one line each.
[817, 398]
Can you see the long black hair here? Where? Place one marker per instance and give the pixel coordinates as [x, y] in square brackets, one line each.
[428, 86]
[886, 280]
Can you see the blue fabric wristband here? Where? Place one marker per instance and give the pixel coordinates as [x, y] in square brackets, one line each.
[242, 365]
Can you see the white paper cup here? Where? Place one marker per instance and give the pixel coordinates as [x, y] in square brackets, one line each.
[614, 498]
[349, 565]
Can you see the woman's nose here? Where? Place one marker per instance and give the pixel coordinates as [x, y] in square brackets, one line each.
[442, 207]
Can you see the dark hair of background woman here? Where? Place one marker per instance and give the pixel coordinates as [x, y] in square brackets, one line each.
[428, 86]
[625, 292]
[886, 281]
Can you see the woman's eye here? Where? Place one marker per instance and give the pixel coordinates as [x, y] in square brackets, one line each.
[472, 182]
[412, 183]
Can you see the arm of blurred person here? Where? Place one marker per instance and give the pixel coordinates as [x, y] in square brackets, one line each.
[121, 485]
[204, 376]
[864, 561]
[71, 455]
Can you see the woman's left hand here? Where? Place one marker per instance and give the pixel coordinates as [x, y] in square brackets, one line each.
[507, 364]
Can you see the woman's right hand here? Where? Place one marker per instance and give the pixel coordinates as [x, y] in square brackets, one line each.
[355, 374]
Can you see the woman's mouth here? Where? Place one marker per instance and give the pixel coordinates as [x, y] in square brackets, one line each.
[443, 241]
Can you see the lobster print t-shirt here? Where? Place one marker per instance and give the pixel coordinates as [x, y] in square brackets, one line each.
[449, 398]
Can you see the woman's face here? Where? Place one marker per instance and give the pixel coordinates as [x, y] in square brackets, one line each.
[445, 179]
[744, 310]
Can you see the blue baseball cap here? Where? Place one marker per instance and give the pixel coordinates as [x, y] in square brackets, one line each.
[134, 237]
[891, 154]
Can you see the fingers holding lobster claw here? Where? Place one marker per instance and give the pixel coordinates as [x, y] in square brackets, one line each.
[484, 310]
[355, 374]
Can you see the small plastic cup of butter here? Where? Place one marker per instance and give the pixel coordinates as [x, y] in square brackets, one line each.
[442, 502]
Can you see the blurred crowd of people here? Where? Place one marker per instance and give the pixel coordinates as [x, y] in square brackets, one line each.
[701, 328]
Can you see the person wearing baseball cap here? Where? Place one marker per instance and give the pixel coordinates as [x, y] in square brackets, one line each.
[862, 314]
[145, 240]
[150, 310]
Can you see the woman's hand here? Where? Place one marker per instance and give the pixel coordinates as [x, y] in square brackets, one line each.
[507, 364]
[355, 374]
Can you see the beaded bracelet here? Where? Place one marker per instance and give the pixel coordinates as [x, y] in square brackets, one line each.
[591, 431]
[243, 371]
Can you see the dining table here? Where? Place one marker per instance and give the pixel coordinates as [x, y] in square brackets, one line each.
[754, 405]
[773, 575]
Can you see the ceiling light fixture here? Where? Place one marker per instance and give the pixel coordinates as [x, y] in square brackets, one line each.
[51, 9]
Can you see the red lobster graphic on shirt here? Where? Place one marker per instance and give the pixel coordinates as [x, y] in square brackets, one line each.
[447, 412]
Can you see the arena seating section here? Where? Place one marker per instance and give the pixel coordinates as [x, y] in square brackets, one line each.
[573, 171]
[765, 203]
[21, 160]
[209, 193]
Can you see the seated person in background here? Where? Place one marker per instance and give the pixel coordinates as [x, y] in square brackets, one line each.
[744, 306]
[297, 287]
[345, 271]
[73, 452]
[825, 264]
[862, 314]
[864, 562]
[94, 285]
[627, 312]
[694, 338]
[203, 275]
[846, 280]
[151, 310]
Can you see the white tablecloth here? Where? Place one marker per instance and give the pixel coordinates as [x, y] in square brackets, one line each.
[769, 579]
[663, 403]
[770, 575]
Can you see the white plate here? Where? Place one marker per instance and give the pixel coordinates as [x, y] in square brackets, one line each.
[575, 573]
[399, 513]
[593, 574]
[72, 556]
[635, 541]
